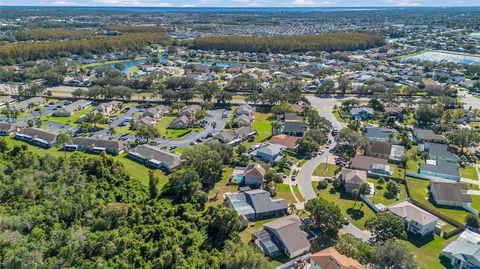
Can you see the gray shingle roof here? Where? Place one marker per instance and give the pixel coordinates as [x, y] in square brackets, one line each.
[148, 152]
[262, 202]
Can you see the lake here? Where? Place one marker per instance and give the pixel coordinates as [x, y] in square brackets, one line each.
[440, 56]
[133, 63]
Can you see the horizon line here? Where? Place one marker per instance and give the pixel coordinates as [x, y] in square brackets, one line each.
[248, 7]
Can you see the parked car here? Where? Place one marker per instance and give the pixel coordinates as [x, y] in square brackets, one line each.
[294, 177]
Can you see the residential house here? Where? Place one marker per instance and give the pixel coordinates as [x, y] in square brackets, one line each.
[270, 153]
[235, 136]
[361, 113]
[145, 120]
[379, 149]
[426, 135]
[26, 104]
[4, 100]
[190, 111]
[38, 137]
[7, 128]
[380, 134]
[439, 152]
[394, 111]
[417, 220]
[181, 122]
[246, 110]
[96, 146]
[242, 121]
[254, 174]
[441, 169]
[330, 258]
[68, 110]
[352, 179]
[155, 158]
[464, 252]
[157, 112]
[108, 108]
[256, 204]
[450, 193]
[372, 165]
[293, 125]
[288, 141]
[283, 236]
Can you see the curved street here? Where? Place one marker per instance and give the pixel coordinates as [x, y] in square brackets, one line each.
[324, 107]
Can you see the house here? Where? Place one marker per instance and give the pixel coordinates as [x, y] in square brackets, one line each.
[352, 179]
[372, 165]
[146, 120]
[4, 100]
[107, 109]
[330, 258]
[190, 111]
[283, 236]
[441, 169]
[464, 252]
[293, 125]
[270, 153]
[37, 137]
[439, 152]
[246, 110]
[449, 193]
[394, 111]
[157, 112]
[26, 104]
[155, 158]
[288, 141]
[379, 149]
[242, 121]
[426, 135]
[417, 220]
[380, 134]
[7, 128]
[182, 122]
[68, 110]
[256, 204]
[97, 146]
[254, 174]
[361, 113]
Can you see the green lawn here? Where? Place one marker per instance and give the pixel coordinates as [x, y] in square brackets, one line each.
[355, 212]
[469, 172]
[380, 198]
[419, 191]
[136, 170]
[325, 170]
[246, 235]
[263, 125]
[427, 250]
[283, 191]
[71, 119]
[163, 124]
[397, 171]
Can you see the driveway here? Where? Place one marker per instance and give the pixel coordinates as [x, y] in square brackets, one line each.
[469, 100]
[324, 107]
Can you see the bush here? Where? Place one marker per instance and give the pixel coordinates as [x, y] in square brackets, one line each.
[322, 184]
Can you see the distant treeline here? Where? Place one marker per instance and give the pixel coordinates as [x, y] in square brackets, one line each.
[42, 50]
[51, 34]
[134, 29]
[294, 43]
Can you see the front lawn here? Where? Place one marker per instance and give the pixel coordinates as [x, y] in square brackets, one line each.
[163, 124]
[325, 170]
[355, 212]
[419, 191]
[71, 119]
[283, 191]
[469, 172]
[427, 250]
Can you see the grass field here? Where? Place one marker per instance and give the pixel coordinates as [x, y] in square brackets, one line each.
[215, 196]
[427, 250]
[325, 170]
[283, 191]
[356, 213]
[163, 124]
[71, 119]
[263, 125]
[469, 172]
[380, 198]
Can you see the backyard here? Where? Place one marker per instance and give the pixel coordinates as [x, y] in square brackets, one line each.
[469, 172]
[163, 124]
[263, 125]
[325, 170]
[380, 196]
[215, 196]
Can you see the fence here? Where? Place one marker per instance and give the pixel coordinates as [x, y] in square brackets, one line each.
[370, 204]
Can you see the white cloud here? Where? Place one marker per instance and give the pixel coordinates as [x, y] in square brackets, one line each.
[409, 4]
[133, 3]
[187, 5]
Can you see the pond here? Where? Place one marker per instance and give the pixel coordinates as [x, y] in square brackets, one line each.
[438, 56]
[133, 63]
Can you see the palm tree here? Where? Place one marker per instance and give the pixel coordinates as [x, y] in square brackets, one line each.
[355, 193]
[292, 207]
[275, 126]
[364, 190]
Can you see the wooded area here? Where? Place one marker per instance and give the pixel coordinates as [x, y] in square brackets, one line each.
[41, 50]
[286, 44]
[39, 34]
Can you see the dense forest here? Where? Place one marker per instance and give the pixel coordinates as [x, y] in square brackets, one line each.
[134, 28]
[40, 34]
[286, 44]
[85, 212]
[42, 50]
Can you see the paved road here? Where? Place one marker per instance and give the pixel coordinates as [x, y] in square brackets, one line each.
[469, 100]
[324, 107]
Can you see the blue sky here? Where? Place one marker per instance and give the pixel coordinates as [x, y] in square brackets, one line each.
[242, 3]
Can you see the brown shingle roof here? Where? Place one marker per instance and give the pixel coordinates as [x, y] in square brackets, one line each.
[284, 140]
[330, 258]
